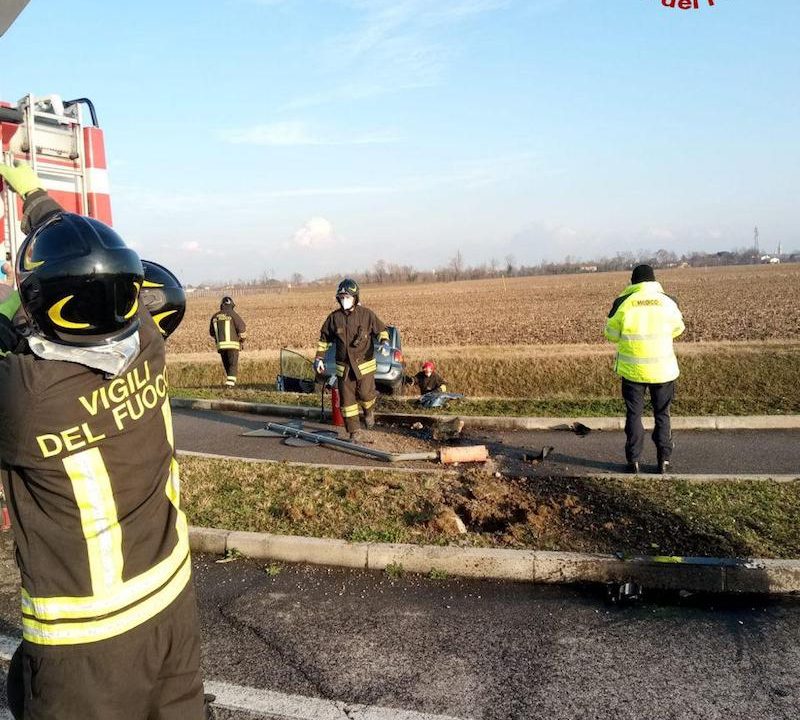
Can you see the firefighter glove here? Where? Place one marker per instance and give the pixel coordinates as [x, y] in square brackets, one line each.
[319, 366]
[21, 178]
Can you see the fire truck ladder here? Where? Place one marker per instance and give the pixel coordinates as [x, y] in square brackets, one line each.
[51, 111]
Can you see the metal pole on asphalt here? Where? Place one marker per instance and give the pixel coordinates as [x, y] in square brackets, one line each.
[289, 431]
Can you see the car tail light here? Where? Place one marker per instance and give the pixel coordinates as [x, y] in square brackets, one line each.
[398, 356]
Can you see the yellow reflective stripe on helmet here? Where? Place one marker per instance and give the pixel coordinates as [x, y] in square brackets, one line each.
[368, 367]
[350, 411]
[92, 487]
[158, 318]
[54, 313]
[151, 284]
[73, 633]
[135, 307]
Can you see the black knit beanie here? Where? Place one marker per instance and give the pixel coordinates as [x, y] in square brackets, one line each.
[642, 273]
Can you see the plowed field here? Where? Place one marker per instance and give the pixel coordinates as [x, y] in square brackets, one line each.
[735, 304]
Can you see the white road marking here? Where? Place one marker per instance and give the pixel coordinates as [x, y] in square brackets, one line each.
[298, 707]
[271, 704]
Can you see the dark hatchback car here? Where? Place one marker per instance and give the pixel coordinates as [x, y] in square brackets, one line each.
[297, 372]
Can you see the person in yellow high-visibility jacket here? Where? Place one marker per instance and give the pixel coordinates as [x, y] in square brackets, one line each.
[643, 322]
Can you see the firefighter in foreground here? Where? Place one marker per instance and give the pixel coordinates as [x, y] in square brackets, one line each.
[109, 615]
[427, 379]
[642, 322]
[229, 333]
[353, 329]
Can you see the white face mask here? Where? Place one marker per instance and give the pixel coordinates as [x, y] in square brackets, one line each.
[346, 302]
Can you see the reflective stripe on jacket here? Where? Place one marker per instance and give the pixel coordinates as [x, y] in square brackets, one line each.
[354, 334]
[643, 322]
[227, 330]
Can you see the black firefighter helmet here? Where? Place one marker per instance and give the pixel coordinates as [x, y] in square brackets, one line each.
[163, 296]
[78, 281]
[348, 286]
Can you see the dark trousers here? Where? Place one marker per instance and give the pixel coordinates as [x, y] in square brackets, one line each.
[355, 393]
[149, 673]
[661, 395]
[230, 361]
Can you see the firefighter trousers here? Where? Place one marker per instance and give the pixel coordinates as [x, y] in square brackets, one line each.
[149, 673]
[230, 361]
[355, 393]
[661, 395]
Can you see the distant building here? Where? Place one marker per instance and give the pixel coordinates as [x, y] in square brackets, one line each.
[589, 268]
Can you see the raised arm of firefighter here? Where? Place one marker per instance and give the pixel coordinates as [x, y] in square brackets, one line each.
[38, 205]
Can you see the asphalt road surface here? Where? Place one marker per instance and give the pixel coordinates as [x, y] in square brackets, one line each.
[696, 452]
[332, 643]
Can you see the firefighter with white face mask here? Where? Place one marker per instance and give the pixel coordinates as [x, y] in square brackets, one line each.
[353, 329]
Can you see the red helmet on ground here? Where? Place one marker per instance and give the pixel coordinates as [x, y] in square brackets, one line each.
[428, 366]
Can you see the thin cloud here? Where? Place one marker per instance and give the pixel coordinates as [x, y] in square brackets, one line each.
[292, 134]
[397, 45]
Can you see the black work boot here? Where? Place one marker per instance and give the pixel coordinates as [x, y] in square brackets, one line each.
[369, 418]
[633, 467]
[663, 467]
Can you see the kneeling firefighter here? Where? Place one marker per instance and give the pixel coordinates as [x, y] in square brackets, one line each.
[353, 329]
[109, 617]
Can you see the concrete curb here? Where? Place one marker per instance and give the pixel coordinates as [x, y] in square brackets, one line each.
[721, 422]
[737, 576]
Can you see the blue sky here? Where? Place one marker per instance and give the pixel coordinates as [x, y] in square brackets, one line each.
[318, 136]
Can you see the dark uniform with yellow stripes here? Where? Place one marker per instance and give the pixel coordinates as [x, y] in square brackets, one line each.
[229, 332]
[353, 332]
[88, 466]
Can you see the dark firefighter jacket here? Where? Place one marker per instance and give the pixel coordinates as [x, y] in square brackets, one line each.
[228, 330]
[353, 334]
[434, 383]
[92, 486]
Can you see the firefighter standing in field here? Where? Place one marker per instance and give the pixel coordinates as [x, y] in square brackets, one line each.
[229, 333]
[109, 617]
[353, 329]
[643, 322]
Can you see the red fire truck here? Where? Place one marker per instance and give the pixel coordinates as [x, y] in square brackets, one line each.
[61, 140]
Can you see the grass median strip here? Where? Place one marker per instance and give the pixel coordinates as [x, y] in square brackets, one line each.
[639, 516]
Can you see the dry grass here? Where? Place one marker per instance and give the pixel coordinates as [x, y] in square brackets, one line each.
[737, 303]
[648, 516]
[728, 380]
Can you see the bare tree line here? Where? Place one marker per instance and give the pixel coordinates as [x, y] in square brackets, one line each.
[457, 268]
